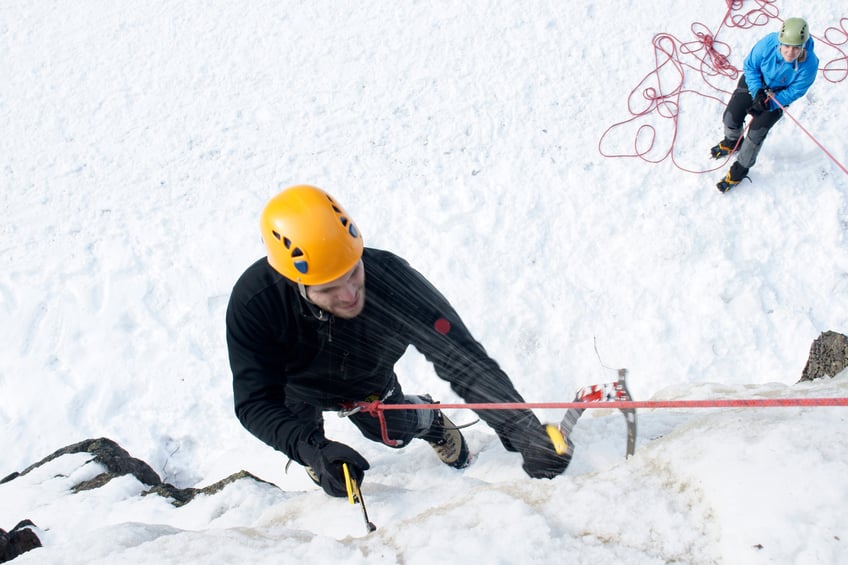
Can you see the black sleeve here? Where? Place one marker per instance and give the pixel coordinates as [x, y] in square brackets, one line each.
[437, 331]
[258, 360]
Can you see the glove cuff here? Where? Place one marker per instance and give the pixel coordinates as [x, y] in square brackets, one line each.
[308, 449]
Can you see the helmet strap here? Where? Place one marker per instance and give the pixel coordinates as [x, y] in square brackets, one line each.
[313, 309]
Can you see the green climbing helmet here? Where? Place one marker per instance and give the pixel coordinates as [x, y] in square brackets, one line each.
[794, 32]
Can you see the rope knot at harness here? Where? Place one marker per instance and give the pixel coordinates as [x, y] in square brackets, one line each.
[372, 408]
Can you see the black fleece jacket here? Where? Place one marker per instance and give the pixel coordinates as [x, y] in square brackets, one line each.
[280, 351]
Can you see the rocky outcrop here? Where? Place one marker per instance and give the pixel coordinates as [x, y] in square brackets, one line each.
[828, 356]
[109, 454]
[20, 540]
[118, 462]
[181, 496]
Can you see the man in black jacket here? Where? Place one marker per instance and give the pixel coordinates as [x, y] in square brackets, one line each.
[305, 337]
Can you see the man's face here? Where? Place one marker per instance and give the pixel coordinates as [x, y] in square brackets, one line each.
[790, 52]
[343, 297]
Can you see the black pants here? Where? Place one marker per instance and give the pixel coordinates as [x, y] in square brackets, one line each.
[402, 426]
[734, 122]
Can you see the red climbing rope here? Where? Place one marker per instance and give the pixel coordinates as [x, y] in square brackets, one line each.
[376, 407]
[816, 141]
[836, 70]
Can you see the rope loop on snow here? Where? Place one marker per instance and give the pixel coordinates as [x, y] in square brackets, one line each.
[836, 70]
[661, 89]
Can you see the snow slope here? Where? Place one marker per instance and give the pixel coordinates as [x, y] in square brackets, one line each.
[141, 140]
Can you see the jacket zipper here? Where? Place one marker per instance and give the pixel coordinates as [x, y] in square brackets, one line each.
[343, 364]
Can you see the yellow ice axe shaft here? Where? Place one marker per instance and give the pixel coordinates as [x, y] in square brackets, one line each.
[352, 488]
[354, 495]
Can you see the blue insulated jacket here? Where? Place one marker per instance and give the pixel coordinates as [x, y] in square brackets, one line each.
[765, 67]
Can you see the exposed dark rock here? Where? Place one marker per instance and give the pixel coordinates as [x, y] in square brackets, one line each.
[182, 496]
[107, 453]
[828, 356]
[118, 462]
[20, 540]
[96, 482]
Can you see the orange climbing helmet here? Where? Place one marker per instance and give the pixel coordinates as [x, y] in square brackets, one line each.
[310, 238]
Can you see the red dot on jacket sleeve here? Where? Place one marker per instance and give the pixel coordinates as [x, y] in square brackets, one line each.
[442, 326]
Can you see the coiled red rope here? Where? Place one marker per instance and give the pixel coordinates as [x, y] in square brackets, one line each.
[660, 91]
[836, 70]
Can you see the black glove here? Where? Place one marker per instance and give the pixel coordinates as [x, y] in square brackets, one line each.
[541, 461]
[761, 102]
[528, 437]
[326, 460]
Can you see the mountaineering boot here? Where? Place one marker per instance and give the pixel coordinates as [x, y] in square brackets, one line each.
[447, 441]
[725, 147]
[733, 177]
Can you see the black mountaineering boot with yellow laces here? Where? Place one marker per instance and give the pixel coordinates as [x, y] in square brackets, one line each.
[725, 147]
[733, 177]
